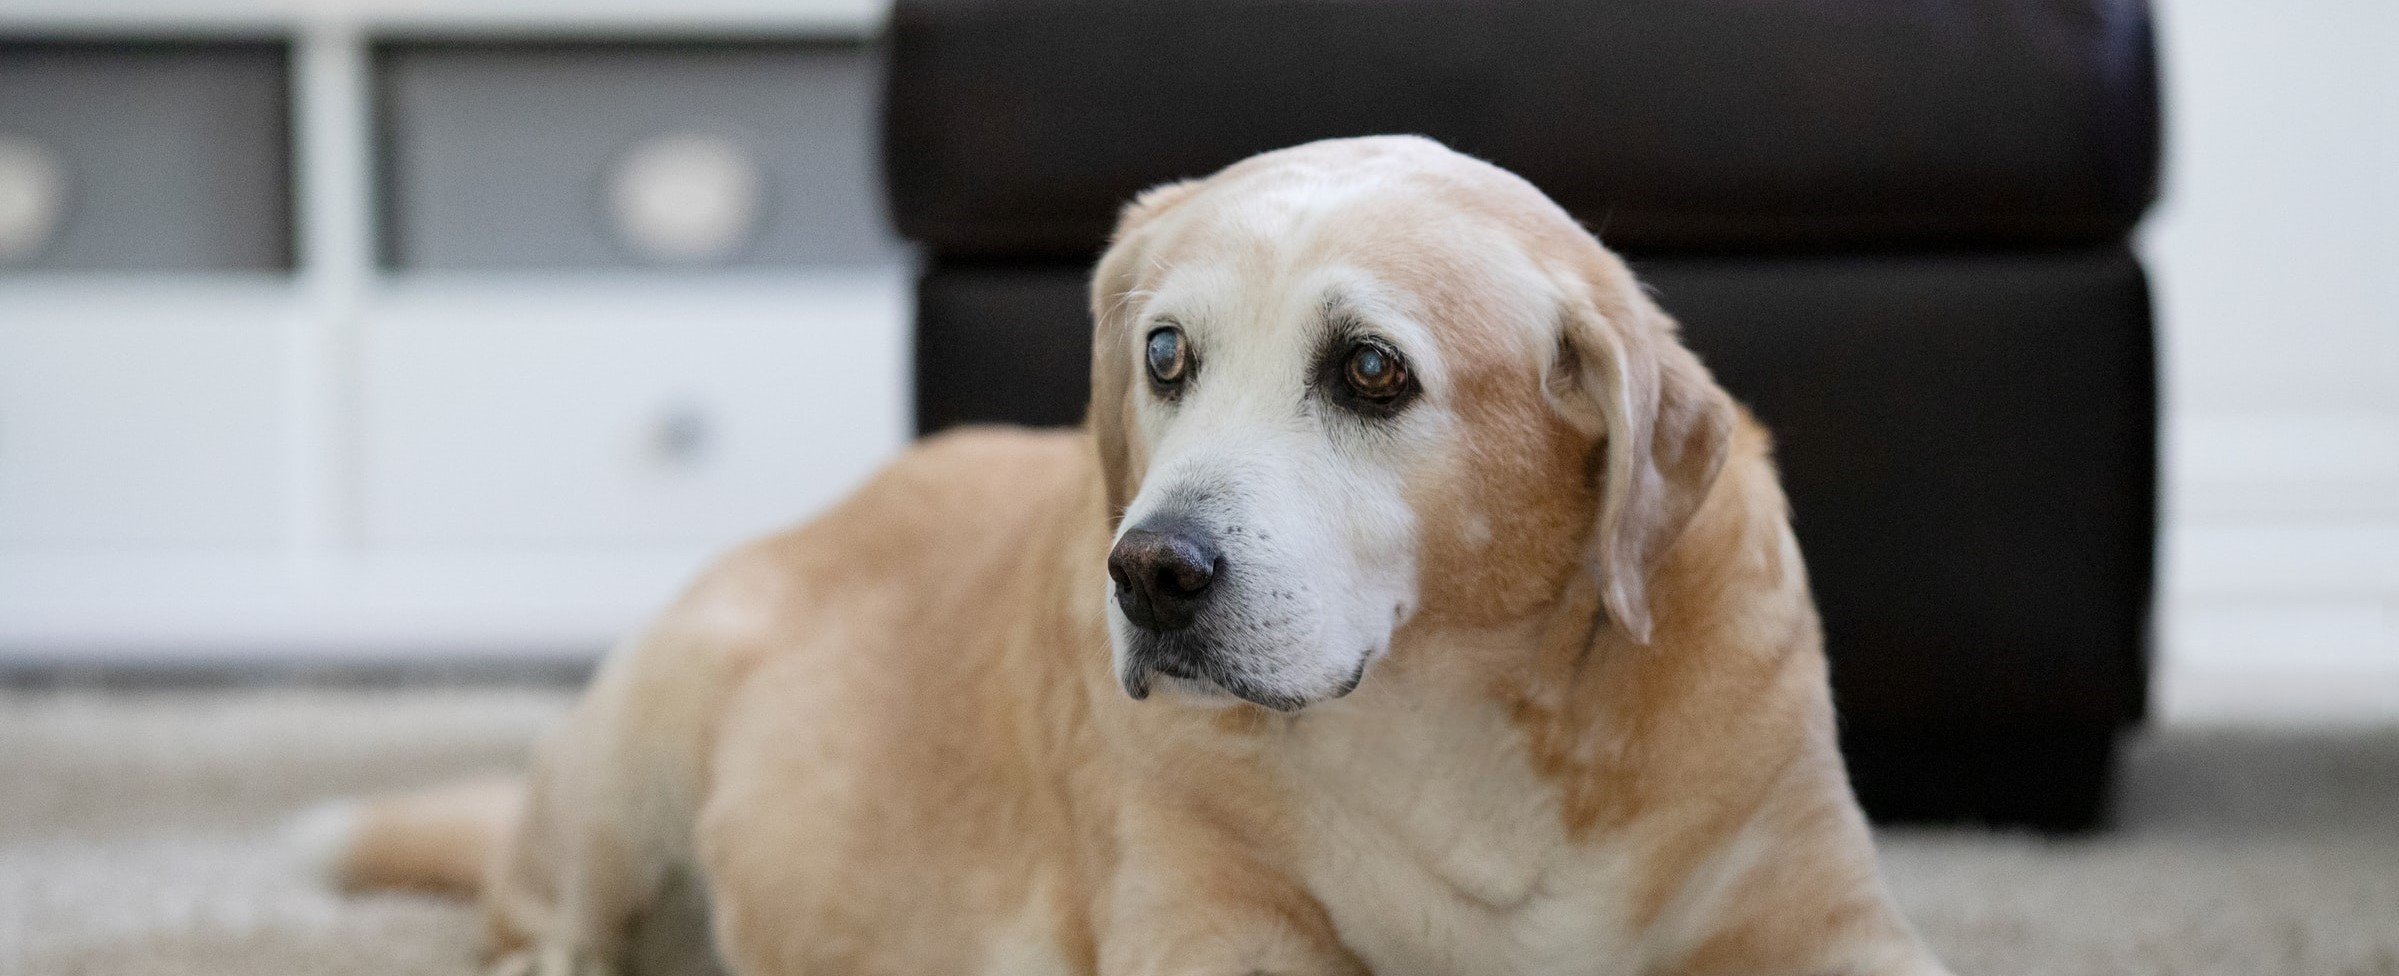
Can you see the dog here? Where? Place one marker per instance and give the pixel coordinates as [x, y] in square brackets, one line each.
[1412, 601]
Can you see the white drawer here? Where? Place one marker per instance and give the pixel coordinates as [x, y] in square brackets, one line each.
[140, 412]
[162, 157]
[508, 155]
[597, 410]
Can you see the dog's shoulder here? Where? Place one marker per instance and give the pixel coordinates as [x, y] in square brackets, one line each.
[948, 505]
[949, 491]
[982, 473]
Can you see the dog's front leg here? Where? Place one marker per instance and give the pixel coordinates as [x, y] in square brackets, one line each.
[1192, 896]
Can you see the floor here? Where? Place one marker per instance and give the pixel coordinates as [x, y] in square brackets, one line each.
[139, 834]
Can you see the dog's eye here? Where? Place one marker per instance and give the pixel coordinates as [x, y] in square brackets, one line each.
[1365, 376]
[1374, 372]
[1169, 359]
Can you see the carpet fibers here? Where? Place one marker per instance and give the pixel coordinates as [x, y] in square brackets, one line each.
[139, 834]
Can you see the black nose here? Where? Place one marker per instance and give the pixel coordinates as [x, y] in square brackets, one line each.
[1162, 575]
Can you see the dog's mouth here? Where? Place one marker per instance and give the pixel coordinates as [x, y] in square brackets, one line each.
[1202, 679]
[1205, 683]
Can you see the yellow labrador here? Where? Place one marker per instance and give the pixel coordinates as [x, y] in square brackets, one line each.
[1414, 602]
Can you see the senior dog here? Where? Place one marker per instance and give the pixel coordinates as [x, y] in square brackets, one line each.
[1413, 602]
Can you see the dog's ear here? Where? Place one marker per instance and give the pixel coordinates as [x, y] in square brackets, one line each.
[1112, 285]
[1622, 374]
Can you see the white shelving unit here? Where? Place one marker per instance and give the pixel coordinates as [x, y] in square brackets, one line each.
[347, 462]
[332, 20]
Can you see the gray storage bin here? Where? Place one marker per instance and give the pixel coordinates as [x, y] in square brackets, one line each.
[145, 156]
[737, 154]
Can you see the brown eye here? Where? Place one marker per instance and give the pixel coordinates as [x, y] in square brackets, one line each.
[1169, 360]
[1374, 372]
[1363, 375]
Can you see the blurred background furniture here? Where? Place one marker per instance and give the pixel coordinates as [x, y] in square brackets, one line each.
[401, 332]
[1899, 231]
[363, 334]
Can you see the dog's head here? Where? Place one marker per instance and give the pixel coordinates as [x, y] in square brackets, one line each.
[1356, 384]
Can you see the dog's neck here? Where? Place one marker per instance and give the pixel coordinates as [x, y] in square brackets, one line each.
[1608, 717]
[1595, 707]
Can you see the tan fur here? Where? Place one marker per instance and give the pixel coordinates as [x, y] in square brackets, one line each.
[891, 741]
[440, 840]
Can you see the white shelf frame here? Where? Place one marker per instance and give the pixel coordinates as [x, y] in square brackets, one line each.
[416, 18]
[322, 592]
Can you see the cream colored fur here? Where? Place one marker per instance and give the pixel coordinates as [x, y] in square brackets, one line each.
[1593, 733]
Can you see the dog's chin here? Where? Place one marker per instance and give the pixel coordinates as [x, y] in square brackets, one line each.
[1199, 692]
[1211, 688]
[1210, 691]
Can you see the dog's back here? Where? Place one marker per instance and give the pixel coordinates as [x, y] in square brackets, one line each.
[829, 695]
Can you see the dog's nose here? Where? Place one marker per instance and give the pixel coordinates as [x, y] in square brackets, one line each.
[1163, 575]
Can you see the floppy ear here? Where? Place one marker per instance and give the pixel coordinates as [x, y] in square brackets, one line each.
[1112, 284]
[1621, 373]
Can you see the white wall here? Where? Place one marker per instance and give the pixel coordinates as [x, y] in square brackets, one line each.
[2276, 259]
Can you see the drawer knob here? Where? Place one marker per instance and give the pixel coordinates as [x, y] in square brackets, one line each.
[686, 198]
[33, 197]
[682, 435]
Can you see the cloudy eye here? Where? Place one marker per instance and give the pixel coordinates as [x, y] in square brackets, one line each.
[1169, 359]
[1374, 372]
[1366, 376]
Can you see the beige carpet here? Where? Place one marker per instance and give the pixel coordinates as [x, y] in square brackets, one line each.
[138, 834]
